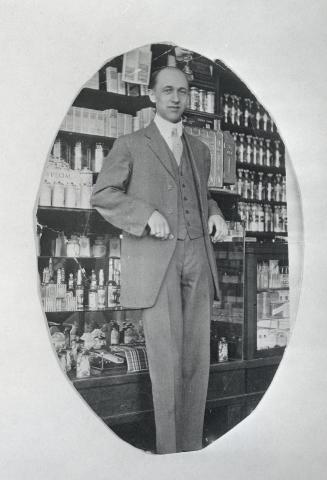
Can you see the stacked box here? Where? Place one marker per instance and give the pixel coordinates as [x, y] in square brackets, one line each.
[112, 79]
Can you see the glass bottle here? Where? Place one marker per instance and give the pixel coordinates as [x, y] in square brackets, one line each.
[115, 334]
[247, 109]
[269, 188]
[261, 219]
[261, 154]
[240, 181]
[254, 150]
[111, 285]
[268, 153]
[241, 148]
[278, 189]
[267, 219]
[276, 219]
[238, 111]
[284, 213]
[248, 149]
[284, 189]
[260, 187]
[101, 291]
[93, 292]
[233, 110]
[226, 107]
[98, 157]
[246, 185]
[70, 287]
[253, 220]
[277, 154]
[265, 121]
[79, 291]
[258, 116]
[236, 140]
[248, 217]
[252, 186]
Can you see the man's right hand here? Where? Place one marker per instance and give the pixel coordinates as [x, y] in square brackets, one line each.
[159, 227]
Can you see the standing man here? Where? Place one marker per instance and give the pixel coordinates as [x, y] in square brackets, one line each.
[153, 186]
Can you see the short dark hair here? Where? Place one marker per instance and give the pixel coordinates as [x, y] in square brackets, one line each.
[155, 73]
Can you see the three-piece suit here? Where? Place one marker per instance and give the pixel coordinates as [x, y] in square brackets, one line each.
[173, 281]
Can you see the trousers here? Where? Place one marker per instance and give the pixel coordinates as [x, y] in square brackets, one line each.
[177, 335]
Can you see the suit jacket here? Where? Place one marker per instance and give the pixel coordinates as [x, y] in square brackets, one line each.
[136, 179]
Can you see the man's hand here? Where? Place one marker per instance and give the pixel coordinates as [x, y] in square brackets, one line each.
[221, 227]
[159, 227]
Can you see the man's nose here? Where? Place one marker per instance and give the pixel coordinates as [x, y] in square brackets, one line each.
[175, 97]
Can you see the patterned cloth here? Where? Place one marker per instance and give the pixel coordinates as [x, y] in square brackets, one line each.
[136, 357]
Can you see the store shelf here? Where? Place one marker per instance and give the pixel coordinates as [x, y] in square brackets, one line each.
[263, 202]
[198, 113]
[75, 220]
[89, 138]
[266, 235]
[222, 191]
[260, 168]
[100, 100]
[260, 290]
[250, 131]
[86, 309]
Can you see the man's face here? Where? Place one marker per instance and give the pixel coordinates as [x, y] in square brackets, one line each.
[170, 94]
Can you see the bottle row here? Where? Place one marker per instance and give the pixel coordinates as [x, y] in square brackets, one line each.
[79, 291]
[272, 275]
[105, 123]
[263, 218]
[244, 112]
[258, 151]
[258, 186]
[82, 246]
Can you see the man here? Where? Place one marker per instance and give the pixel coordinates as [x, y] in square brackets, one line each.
[153, 186]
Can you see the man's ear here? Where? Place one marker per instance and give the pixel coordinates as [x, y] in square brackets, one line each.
[152, 96]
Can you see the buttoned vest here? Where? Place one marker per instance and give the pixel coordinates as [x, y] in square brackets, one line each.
[189, 217]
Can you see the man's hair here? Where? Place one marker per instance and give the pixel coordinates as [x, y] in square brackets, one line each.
[155, 73]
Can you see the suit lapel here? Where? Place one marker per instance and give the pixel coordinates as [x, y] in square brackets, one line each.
[159, 147]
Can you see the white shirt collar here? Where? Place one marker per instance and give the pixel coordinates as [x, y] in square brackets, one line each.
[165, 127]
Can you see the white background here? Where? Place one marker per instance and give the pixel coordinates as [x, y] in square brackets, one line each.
[48, 50]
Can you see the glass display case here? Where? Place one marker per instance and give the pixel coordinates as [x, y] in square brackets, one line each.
[228, 313]
[268, 312]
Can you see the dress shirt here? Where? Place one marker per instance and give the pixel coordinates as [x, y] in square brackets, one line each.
[165, 128]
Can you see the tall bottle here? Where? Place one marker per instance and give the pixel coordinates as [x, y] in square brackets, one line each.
[79, 291]
[247, 108]
[268, 153]
[101, 291]
[111, 286]
[258, 116]
[261, 154]
[249, 149]
[254, 151]
[241, 148]
[93, 292]
[277, 154]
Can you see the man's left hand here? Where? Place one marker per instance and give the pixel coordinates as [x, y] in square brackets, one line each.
[221, 228]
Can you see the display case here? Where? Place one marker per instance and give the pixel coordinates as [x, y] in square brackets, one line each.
[267, 306]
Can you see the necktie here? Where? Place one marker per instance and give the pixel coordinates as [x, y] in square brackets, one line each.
[176, 145]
